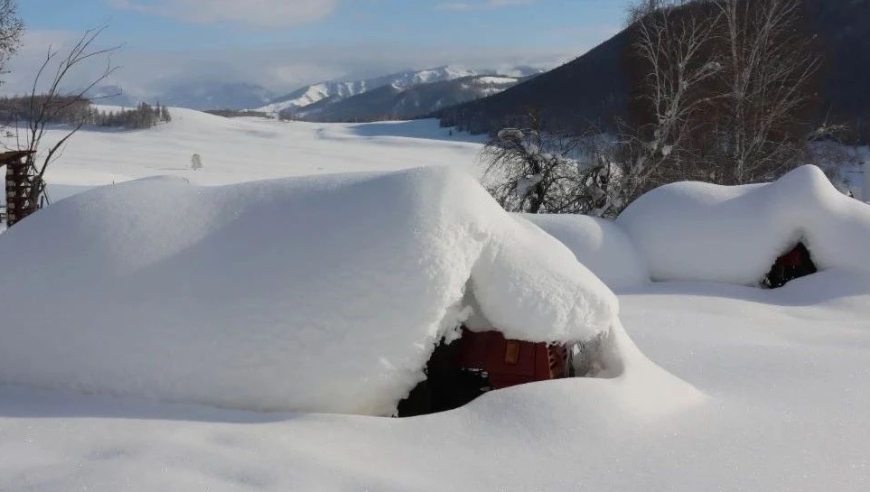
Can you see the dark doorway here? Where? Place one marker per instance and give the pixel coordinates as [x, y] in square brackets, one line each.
[795, 264]
[460, 371]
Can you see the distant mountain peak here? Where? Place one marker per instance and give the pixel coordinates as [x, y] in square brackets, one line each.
[314, 98]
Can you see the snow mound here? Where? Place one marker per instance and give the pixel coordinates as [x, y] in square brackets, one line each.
[303, 294]
[598, 244]
[699, 231]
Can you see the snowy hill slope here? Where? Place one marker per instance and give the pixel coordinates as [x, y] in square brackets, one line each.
[249, 149]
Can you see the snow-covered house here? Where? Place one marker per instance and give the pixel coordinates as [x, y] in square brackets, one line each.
[324, 294]
[743, 234]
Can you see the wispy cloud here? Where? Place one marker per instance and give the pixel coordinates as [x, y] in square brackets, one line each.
[260, 13]
[488, 4]
[281, 69]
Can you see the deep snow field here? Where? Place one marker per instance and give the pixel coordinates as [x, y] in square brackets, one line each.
[732, 388]
[250, 149]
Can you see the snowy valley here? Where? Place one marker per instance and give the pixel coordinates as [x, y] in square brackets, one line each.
[197, 347]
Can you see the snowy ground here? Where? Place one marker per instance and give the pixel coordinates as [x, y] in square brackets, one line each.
[250, 149]
[785, 374]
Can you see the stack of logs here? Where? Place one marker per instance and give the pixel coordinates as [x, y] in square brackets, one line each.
[20, 200]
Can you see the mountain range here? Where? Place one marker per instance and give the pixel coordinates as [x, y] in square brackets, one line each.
[400, 95]
[404, 94]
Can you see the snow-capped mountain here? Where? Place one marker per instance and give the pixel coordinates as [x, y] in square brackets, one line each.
[397, 101]
[332, 92]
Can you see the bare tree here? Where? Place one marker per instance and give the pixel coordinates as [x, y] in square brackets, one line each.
[11, 29]
[675, 60]
[50, 98]
[767, 82]
[722, 87]
[535, 171]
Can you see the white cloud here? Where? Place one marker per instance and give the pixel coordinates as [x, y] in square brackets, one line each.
[34, 48]
[146, 72]
[261, 13]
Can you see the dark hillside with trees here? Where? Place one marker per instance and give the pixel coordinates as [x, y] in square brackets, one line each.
[593, 90]
[586, 92]
[843, 27]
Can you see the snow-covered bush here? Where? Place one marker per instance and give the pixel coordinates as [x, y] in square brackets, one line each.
[311, 294]
[534, 171]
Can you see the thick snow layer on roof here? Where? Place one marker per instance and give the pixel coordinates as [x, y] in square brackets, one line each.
[598, 244]
[699, 231]
[312, 294]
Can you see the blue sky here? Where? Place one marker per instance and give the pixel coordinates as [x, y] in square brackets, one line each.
[283, 44]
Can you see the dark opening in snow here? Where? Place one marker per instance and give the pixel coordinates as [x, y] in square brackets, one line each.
[796, 263]
[460, 371]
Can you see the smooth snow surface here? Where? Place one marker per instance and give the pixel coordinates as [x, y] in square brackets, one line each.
[251, 149]
[699, 231]
[310, 294]
[786, 373]
[598, 244]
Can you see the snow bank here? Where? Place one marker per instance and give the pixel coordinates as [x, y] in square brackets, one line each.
[598, 244]
[311, 294]
[699, 231]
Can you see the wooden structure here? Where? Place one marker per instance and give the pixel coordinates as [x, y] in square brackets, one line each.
[20, 199]
[461, 371]
[795, 264]
[511, 362]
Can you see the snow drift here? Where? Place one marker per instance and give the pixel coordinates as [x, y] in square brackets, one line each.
[600, 245]
[700, 231]
[311, 294]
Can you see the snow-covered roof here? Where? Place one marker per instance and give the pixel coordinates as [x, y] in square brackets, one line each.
[312, 294]
[598, 244]
[699, 231]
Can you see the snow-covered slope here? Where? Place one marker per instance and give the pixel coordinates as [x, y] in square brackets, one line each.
[700, 231]
[324, 91]
[310, 294]
[248, 149]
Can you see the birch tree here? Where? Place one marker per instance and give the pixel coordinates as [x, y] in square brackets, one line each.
[767, 84]
[675, 50]
[724, 86]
